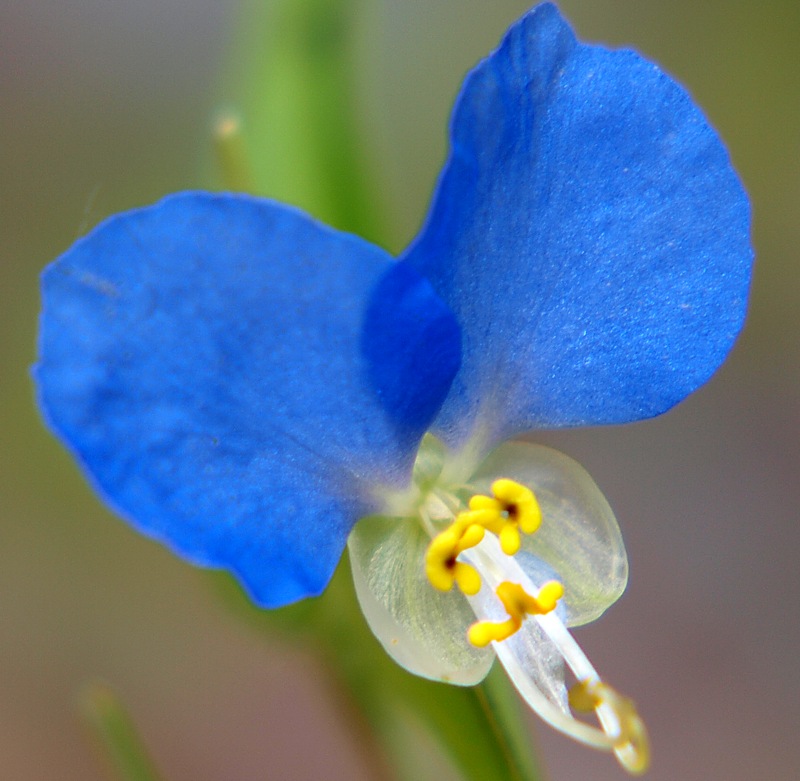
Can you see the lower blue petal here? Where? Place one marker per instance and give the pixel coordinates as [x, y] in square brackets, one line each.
[589, 234]
[205, 359]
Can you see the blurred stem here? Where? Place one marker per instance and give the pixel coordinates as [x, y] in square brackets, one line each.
[293, 81]
[480, 730]
[115, 734]
[503, 709]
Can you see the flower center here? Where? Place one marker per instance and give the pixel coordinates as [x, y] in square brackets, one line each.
[478, 548]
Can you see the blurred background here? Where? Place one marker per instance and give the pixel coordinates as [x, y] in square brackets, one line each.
[108, 104]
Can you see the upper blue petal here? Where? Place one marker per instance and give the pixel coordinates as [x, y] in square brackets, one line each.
[589, 234]
[206, 360]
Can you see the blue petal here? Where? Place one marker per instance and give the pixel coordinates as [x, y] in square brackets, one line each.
[589, 234]
[430, 360]
[205, 360]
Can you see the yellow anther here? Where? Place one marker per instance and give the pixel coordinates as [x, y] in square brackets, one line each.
[583, 696]
[511, 509]
[490, 506]
[518, 604]
[547, 598]
[441, 559]
[482, 633]
[509, 539]
[519, 502]
[471, 536]
[467, 578]
[631, 744]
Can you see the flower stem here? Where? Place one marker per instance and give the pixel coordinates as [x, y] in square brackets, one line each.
[503, 712]
[479, 730]
[294, 82]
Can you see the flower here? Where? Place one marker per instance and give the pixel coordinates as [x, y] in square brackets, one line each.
[245, 384]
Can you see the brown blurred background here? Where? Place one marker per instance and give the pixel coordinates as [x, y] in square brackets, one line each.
[106, 104]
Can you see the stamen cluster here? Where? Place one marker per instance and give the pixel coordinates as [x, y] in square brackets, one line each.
[513, 508]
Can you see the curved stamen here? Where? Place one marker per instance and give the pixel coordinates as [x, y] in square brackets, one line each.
[621, 729]
[511, 508]
[465, 555]
[518, 604]
[618, 715]
[441, 558]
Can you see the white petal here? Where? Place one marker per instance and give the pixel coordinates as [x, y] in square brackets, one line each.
[579, 536]
[422, 629]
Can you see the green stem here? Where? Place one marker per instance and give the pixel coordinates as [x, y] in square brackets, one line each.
[480, 730]
[293, 81]
[502, 706]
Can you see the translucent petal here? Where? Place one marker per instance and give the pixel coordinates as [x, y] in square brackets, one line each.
[588, 232]
[579, 537]
[208, 362]
[422, 629]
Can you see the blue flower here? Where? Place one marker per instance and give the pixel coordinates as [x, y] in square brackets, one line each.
[245, 384]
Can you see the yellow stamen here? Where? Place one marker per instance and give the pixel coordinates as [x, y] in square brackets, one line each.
[631, 744]
[583, 696]
[518, 604]
[441, 565]
[511, 509]
[467, 578]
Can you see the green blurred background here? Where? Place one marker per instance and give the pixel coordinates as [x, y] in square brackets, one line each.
[107, 104]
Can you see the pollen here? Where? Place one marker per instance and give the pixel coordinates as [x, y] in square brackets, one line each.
[518, 604]
[511, 508]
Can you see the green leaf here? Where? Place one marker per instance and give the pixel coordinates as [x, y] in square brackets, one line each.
[115, 734]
